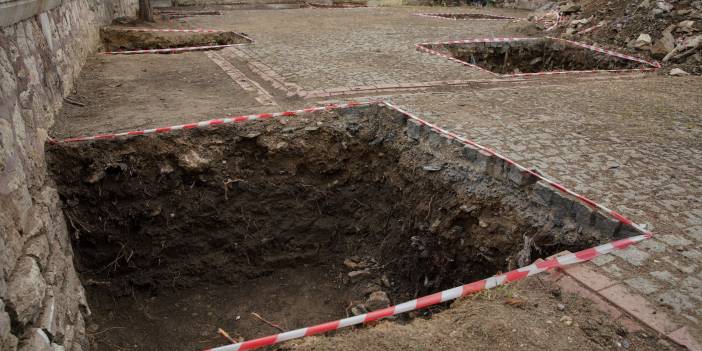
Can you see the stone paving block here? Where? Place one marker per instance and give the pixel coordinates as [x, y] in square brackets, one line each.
[683, 337]
[570, 285]
[632, 255]
[693, 287]
[676, 300]
[695, 232]
[614, 270]
[602, 260]
[664, 276]
[652, 245]
[586, 275]
[693, 254]
[643, 285]
[674, 240]
[639, 308]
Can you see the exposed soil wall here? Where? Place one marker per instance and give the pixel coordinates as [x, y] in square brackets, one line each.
[116, 39]
[536, 56]
[40, 293]
[212, 209]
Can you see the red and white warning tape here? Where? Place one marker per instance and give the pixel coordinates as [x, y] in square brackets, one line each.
[212, 122]
[169, 50]
[433, 299]
[654, 65]
[463, 290]
[443, 16]
[171, 30]
[439, 297]
[176, 50]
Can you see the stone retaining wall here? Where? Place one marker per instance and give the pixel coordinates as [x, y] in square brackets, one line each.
[42, 304]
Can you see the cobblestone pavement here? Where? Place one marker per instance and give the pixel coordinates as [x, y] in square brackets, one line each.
[633, 144]
[327, 49]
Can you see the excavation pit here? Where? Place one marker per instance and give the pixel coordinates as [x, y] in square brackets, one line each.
[536, 55]
[124, 39]
[466, 16]
[298, 220]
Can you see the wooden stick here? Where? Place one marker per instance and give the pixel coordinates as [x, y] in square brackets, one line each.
[267, 322]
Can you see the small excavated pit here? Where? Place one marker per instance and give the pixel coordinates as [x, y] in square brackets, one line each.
[468, 16]
[535, 55]
[176, 235]
[120, 39]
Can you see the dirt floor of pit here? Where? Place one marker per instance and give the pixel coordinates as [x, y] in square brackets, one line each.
[539, 56]
[528, 315]
[188, 318]
[121, 39]
[127, 92]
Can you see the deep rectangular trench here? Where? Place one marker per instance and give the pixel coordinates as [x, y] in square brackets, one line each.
[122, 38]
[534, 55]
[469, 16]
[176, 235]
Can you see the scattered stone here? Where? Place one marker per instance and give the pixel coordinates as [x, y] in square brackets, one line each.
[567, 320]
[643, 285]
[569, 8]
[664, 6]
[377, 300]
[677, 72]
[663, 276]
[26, 290]
[192, 161]
[357, 276]
[352, 264]
[358, 310]
[432, 168]
[644, 40]
[560, 307]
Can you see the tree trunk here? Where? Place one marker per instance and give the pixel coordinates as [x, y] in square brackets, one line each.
[145, 11]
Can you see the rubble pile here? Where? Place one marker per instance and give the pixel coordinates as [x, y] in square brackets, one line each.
[669, 31]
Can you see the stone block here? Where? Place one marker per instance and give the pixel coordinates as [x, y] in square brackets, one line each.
[470, 152]
[26, 290]
[484, 161]
[414, 129]
[542, 193]
[605, 224]
[520, 177]
[583, 213]
[37, 340]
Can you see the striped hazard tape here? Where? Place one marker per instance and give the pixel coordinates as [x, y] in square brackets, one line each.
[179, 49]
[169, 50]
[653, 64]
[171, 30]
[463, 290]
[452, 16]
[439, 297]
[433, 299]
